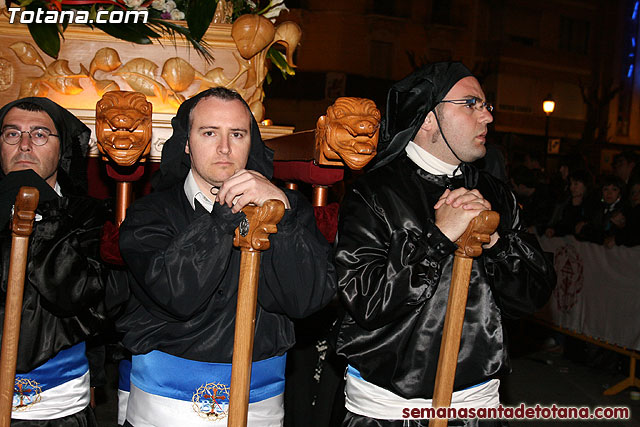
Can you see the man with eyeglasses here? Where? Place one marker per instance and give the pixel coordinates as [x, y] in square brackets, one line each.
[395, 251]
[43, 145]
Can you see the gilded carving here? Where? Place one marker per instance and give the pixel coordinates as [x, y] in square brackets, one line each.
[176, 79]
[224, 12]
[123, 127]
[349, 133]
[6, 74]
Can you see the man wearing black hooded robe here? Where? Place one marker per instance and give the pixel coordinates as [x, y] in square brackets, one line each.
[394, 260]
[65, 279]
[179, 322]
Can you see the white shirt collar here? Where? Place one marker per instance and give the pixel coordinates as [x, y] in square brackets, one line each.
[57, 189]
[194, 193]
[429, 162]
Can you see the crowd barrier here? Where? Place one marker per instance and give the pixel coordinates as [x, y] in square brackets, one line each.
[597, 297]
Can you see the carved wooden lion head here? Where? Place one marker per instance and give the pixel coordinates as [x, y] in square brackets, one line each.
[349, 132]
[123, 126]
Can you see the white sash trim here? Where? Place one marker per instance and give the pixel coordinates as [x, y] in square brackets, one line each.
[123, 398]
[369, 400]
[150, 410]
[57, 402]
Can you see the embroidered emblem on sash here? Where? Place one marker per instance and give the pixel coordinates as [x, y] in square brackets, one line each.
[26, 393]
[211, 401]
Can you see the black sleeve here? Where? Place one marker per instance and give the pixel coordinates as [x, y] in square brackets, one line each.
[64, 260]
[299, 277]
[521, 274]
[385, 272]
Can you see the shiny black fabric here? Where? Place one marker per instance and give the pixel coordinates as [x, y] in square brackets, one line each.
[353, 420]
[64, 283]
[84, 418]
[186, 278]
[394, 270]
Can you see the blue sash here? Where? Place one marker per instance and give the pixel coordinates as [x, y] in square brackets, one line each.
[67, 365]
[124, 373]
[170, 376]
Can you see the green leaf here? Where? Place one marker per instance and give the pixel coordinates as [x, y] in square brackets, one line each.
[134, 33]
[280, 60]
[46, 37]
[199, 15]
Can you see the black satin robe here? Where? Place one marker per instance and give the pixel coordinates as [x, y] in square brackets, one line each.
[394, 270]
[186, 271]
[65, 280]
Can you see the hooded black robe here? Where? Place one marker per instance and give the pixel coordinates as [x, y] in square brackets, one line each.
[65, 279]
[394, 265]
[185, 268]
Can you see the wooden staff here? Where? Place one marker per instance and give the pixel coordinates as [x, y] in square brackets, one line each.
[21, 226]
[252, 236]
[469, 246]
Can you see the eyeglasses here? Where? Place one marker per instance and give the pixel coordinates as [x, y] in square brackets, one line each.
[473, 102]
[38, 136]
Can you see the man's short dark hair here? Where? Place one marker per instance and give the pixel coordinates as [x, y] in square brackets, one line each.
[525, 176]
[219, 92]
[27, 106]
[582, 176]
[612, 180]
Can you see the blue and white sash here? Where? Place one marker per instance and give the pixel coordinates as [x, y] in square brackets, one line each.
[124, 387]
[57, 388]
[369, 400]
[168, 391]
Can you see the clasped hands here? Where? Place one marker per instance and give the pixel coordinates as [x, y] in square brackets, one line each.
[455, 210]
[248, 187]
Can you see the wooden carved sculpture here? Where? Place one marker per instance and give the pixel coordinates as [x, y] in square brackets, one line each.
[123, 127]
[252, 236]
[22, 226]
[123, 130]
[469, 246]
[349, 133]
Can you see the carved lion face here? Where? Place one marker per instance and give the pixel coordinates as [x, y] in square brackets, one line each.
[123, 126]
[349, 132]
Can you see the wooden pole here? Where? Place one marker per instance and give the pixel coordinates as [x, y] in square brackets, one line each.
[21, 226]
[124, 194]
[252, 236]
[469, 246]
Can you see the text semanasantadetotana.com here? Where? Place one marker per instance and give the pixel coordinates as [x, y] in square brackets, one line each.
[522, 412]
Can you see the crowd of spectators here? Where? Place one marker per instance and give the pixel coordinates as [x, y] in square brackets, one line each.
[602, 209]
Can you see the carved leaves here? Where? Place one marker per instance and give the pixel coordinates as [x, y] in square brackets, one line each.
[57, 75]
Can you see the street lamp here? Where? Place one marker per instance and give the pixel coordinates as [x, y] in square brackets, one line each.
[548, 105]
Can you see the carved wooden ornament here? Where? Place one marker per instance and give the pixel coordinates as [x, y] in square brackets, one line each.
[253, 232]
[349, 132]
[477, 233]
[123, 127]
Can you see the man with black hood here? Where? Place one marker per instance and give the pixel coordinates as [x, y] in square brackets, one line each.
[395, 251]
[43, 145]
[177, 242]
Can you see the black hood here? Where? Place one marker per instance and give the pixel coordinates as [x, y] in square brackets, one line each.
[175, 163]
[74, 140]
[408, 103]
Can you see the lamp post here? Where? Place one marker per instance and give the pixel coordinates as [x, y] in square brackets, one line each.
[548, 105]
